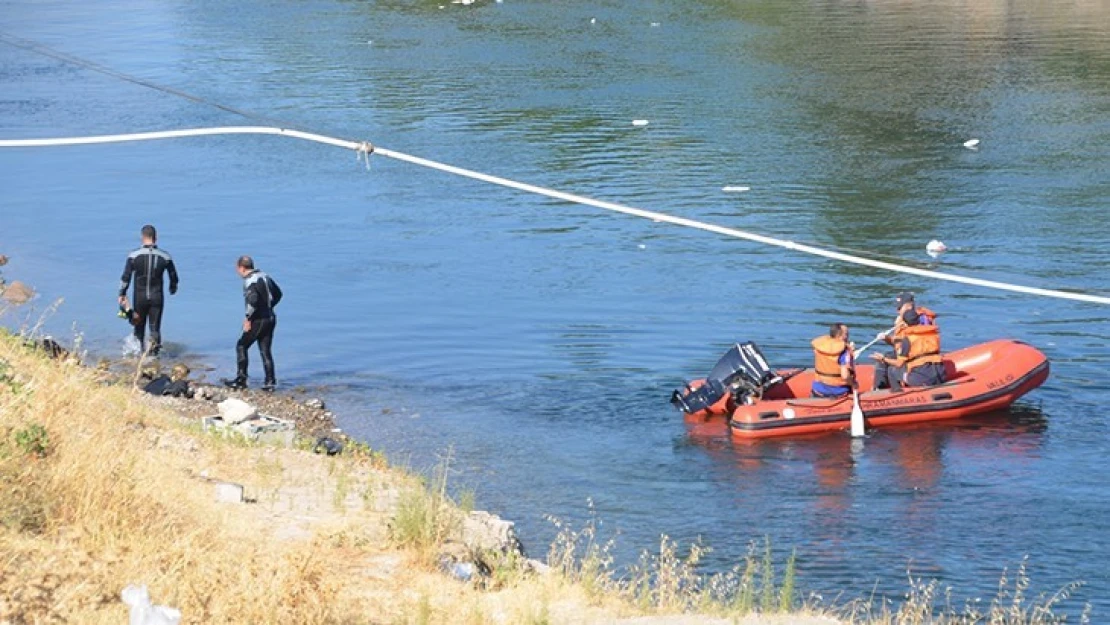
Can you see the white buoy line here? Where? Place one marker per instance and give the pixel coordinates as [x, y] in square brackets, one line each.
[363, 149]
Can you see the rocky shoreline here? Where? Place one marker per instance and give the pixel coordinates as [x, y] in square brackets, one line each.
[305, 410]
[477, 543]
[482, 541]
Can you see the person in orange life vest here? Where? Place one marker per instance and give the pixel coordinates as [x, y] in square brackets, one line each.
[916, 359]
[833, 368]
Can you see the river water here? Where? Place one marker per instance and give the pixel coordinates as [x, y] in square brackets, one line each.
[537, 340]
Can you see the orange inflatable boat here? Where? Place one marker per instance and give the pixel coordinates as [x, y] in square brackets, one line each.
[761, 402]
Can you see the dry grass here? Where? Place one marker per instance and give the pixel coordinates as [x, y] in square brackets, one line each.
[95, 499]
[928, 602]
[670, 582]
[426, 516]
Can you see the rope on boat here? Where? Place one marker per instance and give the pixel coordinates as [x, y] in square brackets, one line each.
[363, 149]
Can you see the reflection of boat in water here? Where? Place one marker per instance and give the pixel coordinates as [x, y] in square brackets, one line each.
[762, 403]
[917, 450]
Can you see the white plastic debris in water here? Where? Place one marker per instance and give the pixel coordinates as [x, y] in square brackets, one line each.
[593, 20]
[735, 189]
[640, 122]
[143, 613]
[131, 346]
[643, 247]
[655, 24]
[972, 144]
[935, 248]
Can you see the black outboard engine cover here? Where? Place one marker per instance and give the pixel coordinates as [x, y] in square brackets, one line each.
[742, 371]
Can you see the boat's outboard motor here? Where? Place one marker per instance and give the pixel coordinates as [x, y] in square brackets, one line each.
[742, 371]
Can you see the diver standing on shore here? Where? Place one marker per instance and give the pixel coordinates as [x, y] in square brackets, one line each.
[147, 264]
[261, 294]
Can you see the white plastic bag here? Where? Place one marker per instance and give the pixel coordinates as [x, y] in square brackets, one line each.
[143, 613]
[234, 410]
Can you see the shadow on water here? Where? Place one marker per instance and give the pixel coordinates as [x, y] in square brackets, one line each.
[837, 498]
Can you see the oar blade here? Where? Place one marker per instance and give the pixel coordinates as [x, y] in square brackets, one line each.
[858, 428]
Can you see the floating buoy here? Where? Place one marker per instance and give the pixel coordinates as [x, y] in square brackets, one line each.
[972, 144]
[935, 248]
[735, 189]
[639, 122]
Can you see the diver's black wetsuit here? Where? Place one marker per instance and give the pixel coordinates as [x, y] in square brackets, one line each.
[261, 294]
[147, 264]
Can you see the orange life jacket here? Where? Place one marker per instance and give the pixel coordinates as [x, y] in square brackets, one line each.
[924, 346]
[900, 326]
[826, 360]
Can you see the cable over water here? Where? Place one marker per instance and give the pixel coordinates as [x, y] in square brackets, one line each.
[365, 148]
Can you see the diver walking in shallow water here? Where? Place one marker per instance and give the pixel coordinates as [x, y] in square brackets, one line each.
[147, 265]
[261, 294]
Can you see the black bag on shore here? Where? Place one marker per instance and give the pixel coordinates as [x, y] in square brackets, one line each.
[164, 386]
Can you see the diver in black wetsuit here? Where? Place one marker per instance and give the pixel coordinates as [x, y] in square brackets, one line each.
[261, 295]
[147, 264]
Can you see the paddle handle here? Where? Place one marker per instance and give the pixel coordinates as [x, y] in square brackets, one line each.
[859, 351]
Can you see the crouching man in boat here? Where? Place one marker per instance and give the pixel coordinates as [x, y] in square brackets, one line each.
[916, 360]
[833, 368]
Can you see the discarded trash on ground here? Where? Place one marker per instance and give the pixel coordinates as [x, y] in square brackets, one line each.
[243, 419]
[234, 411]
[174, 385]
[328, 445]
[143, 613]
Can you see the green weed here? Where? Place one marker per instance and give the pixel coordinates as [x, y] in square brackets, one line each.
[33, 440]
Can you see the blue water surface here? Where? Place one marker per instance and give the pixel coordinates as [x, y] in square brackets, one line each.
[538, 340]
